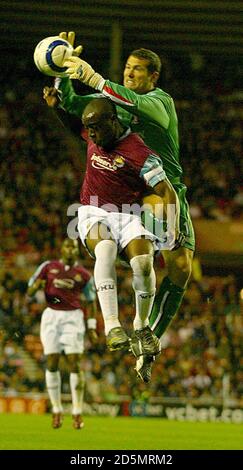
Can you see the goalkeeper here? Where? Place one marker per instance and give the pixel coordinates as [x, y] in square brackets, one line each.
[150, 112]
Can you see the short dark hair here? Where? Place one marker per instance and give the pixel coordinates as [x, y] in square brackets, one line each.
[103, 105]
[154, 60]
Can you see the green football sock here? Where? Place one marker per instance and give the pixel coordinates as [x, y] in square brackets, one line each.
[166, 304]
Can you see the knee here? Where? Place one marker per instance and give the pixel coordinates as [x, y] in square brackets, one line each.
[52, 363]
[182, 267]
[52, 367]
[143, 273]
[104, 269]
[73, 361]
[81, 379]
[184, 264]
[142, 265]
[106, 250]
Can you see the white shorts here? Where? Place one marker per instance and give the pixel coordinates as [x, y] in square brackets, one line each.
[121, 227]
[62, 330]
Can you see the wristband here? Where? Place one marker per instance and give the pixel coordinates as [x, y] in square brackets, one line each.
[57, 82]
[91, 323]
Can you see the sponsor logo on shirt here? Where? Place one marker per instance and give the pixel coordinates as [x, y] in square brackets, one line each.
[54, 271]
[103, 163]
[64, 283]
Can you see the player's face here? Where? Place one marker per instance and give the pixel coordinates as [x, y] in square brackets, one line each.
[70, 250]
[137, 77]
[101, 131]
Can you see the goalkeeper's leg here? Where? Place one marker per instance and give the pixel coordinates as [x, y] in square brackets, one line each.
[170, 293]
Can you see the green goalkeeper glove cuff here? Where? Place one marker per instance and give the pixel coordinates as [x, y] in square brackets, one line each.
[81, 70]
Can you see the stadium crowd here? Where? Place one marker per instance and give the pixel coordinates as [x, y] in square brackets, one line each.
[200, 348]
[40, 178]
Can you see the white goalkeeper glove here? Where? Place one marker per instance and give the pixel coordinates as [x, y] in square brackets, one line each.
[81, 70]
[70, 37]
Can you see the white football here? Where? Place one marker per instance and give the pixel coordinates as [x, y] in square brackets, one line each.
[50, 54]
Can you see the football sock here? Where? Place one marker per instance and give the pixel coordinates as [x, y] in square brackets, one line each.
[106, 282]
[53, 383]
[144, 283]
[166, 305]
[77, 392]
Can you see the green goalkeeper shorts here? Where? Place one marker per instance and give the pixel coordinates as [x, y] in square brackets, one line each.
[186, 226]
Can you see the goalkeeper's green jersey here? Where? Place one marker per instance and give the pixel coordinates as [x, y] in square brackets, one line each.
[151, 115]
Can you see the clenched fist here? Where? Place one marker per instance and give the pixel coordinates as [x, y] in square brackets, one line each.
[50, 95]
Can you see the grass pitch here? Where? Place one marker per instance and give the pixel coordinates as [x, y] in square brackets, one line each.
[26, 432]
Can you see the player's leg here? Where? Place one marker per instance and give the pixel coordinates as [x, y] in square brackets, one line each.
[140, 253]
[171, 291]
[105, 252]
[77, 383]
[50, 341]
[72, 343]
[53, 385]
[135, 241]
[167, 301]
[179, 265]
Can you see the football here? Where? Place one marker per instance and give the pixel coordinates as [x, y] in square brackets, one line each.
[50, 54]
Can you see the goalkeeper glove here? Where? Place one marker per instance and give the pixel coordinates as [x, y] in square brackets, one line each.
[70, 37]
[81, 70]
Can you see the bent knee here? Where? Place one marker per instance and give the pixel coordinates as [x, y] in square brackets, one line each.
[181, 266]
[52, 362]
[184, 264]
[142, 265]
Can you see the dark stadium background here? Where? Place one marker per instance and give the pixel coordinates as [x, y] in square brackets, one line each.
[201, 46]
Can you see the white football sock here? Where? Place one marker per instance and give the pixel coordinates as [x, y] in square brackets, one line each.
[106, 282]
[144, 284]
[77, 392]
[53, 383]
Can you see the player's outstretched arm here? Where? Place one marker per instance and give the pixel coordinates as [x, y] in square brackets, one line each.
[152, 106]
[149, 105]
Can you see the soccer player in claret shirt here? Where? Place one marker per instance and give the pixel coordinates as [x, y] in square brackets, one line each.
[150, 111]
[120, 169]
[67, 286]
